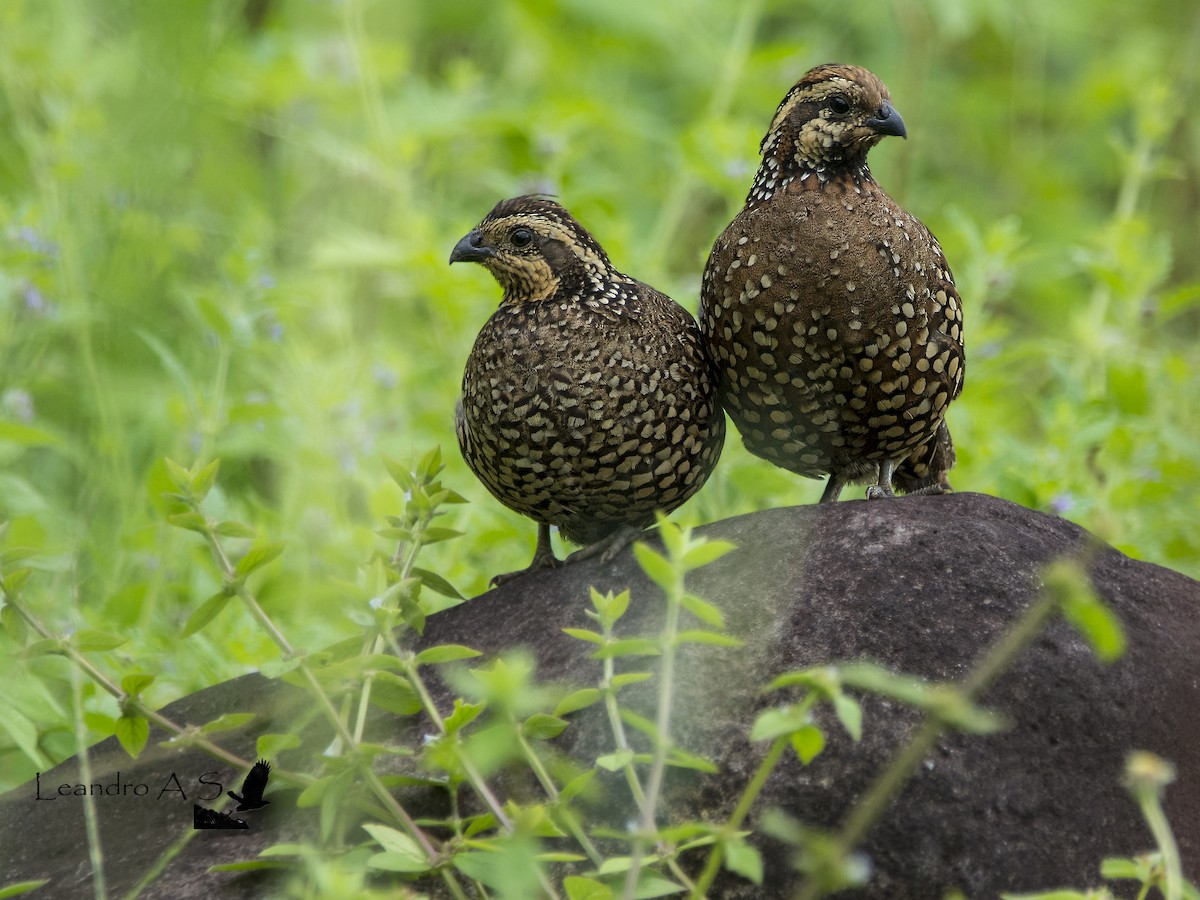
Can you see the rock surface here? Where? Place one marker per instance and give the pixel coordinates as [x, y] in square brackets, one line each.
[921, 585]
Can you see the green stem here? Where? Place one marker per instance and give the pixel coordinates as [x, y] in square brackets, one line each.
[106, 684]
[323, 702]
[568, 817]
[749, 795]
[453, 885]
[1152, 809]
[618, 727]
[403, 568]
[408, 665]
[91, 822]
[229, 571]
[662, 727]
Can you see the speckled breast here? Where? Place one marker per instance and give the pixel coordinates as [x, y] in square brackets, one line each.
[588, 425]
[836, 347]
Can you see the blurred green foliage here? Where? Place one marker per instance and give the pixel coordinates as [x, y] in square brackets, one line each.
[224, 231]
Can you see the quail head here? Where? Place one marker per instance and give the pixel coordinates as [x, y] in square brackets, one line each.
[829, 311]
[588, 401]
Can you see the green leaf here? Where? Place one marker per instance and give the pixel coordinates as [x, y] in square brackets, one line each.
[192, 521]
[136, 682]
[778, 721]
[252, 865]
[396, 862]
[268, 746]
[577, 700]
[15, 580]
[584, 635]
[743, 859]
[207, 611]
[335, 799]
[480, 823]
[14, 626]
[24, 887]
[89, 639]
[436, 583]
[203, 480]
[822, 679]
[402, 853]
[640, 722]
[614, 865]
[878, 680]
[1085, 610]
[24, 734]
[430, 464]
[650, 884]
[42, 647]
[395, 533]
[1098, 625]
[682, 759]
[849, 713]
[257, 557]
[464, 714]
[445, 653]
[233, 530]
[27, 435]
[400, 474]
[285, 850]
[435, 535]
[714, 638]
[180, 477]
[705, 553]
[395, 694]
[228, 722]
[577, 785]
[580, 888]
[619, 681]
[673, 537]
[133, 732]
[313, 794]
[808, 743]
[541, 727]
[627, 647]
[703, 610]
[614, 762]
[654, 564]
[556, 857]
[955, 710]
[610, 607]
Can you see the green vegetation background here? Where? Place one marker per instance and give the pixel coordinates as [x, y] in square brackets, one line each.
[225, 229]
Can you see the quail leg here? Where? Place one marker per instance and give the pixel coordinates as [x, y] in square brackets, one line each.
[543, 558]
[607, 548]
[833, 488]
[884, 487]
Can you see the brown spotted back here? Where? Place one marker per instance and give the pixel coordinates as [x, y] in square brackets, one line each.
[588, 401]
[830, 312]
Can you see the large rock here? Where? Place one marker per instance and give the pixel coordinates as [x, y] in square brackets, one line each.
[921, 585]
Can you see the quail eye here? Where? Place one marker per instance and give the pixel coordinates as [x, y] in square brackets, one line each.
[521, 238]
[839, 105]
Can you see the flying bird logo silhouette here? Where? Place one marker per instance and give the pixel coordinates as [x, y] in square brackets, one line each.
[253, 786]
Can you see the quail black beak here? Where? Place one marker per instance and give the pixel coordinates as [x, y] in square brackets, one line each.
[471, 249]
[888, 121]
